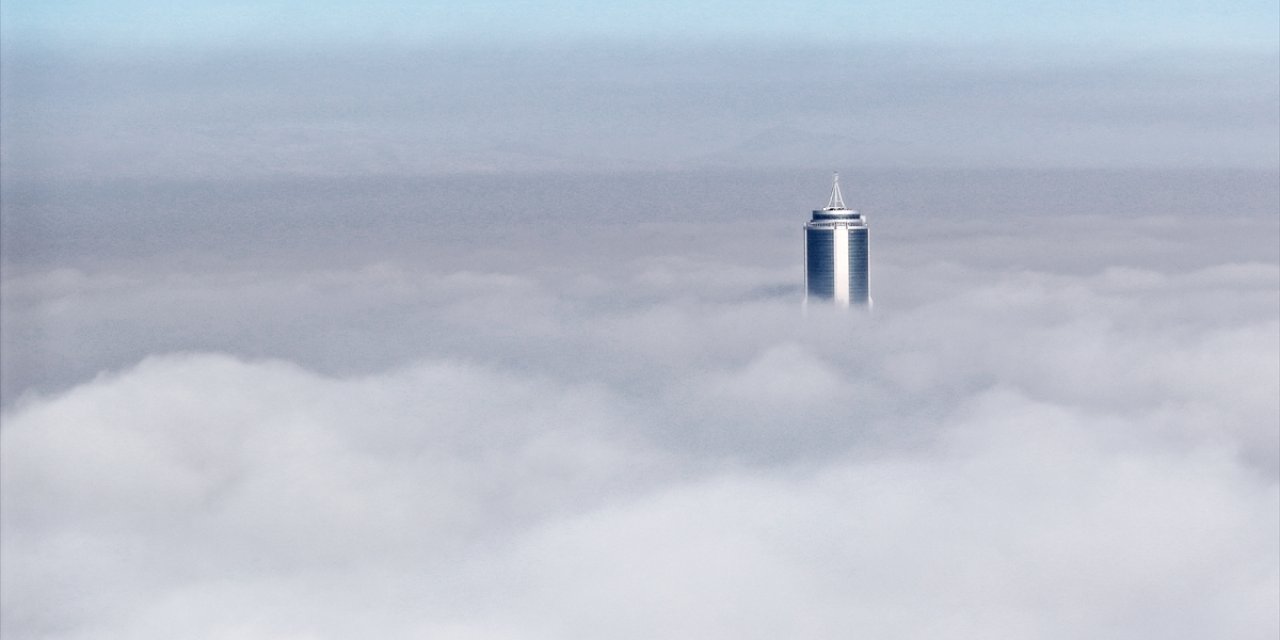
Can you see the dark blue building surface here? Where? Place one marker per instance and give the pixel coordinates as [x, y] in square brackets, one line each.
[821, 267]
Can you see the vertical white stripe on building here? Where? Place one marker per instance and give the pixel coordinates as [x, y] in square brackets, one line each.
[841, 246]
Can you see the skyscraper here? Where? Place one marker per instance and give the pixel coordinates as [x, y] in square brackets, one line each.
[835, 253]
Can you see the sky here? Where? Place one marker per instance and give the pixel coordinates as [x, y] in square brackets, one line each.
[1248, 24]
[485, 321]
[100, 90]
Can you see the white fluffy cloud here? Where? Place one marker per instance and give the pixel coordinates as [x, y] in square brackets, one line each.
[669, 448]
[240, 499]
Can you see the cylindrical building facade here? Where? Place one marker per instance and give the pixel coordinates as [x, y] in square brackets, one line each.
[836, 254]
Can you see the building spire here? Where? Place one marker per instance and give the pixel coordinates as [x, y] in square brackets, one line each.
[836, 201]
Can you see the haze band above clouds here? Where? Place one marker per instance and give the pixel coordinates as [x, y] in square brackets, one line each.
[93, 116]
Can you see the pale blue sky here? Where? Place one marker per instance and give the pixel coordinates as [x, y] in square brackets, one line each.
[197, 89]
[1236, 25]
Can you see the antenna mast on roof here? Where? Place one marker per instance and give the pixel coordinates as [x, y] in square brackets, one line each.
[836, 201]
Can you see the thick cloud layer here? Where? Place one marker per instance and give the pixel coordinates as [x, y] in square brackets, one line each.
[1038, 433]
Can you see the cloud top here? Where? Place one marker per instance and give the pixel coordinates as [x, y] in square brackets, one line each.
[666, 447]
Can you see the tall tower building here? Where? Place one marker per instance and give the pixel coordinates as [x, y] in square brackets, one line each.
[835, 253]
